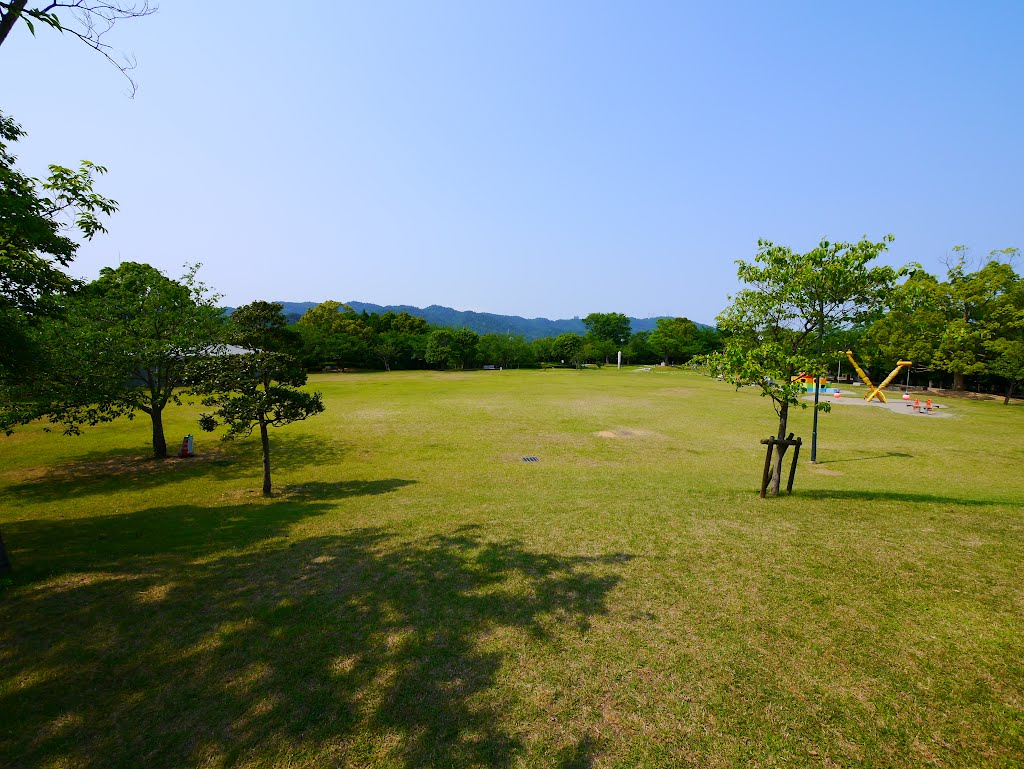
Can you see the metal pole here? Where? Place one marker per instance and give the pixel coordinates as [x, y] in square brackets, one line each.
[907, 388]
[814, 430]
[817, 389]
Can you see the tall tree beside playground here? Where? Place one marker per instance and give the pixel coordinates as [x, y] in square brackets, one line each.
[1005, 344]
[778, 324]
[970, 300]
[957, 325]
[255, 389]
[122, 346]
[911, 329]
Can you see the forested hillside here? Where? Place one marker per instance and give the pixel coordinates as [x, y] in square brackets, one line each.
[480, 322]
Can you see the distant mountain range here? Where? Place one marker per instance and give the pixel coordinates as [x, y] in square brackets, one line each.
[480, 322]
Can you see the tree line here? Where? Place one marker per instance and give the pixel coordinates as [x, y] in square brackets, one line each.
[966, 323]
[334, 336]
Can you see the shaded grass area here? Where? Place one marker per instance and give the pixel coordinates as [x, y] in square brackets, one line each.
[419, 596]
[349, 647]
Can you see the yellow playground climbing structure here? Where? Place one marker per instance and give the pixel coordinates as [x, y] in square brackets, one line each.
[876, 392]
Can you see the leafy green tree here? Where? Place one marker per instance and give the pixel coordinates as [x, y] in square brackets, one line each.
[400, 323]
[504, 350]
[387, 347]
[675, 339]
[613, 327]
[333, 332]
[122, 346]
[709, 340]
[262, 326]
[568, 348]
[1005, 346]
[35, 221]
[638, 349]
[792, 302]
[913, 327]
[464, 347]
[948, 325]
[610, 330]
[396, 338]
[332, 317]
[1008, 363]
[455, 348]
[439, 348]
[597, 349]
[971, 296]
[543, 349]
[253, 390]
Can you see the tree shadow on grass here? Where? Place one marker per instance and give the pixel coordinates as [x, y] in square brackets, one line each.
[896, 496]
[105, 472]
[220, 643]
[886, 455]
[145, 540]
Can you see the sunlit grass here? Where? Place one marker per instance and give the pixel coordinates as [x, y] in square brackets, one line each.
[417, 595]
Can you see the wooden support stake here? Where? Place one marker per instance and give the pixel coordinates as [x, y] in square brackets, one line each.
[792, 469]
[767, 466]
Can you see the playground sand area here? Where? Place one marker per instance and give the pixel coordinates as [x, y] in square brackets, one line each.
[895, 404]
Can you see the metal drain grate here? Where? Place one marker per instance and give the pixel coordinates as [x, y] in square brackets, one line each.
[531, 459]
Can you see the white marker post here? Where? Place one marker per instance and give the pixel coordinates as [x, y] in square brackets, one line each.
[620, 359]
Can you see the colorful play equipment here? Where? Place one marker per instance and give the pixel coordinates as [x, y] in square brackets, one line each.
[808, 381]
[876, 392]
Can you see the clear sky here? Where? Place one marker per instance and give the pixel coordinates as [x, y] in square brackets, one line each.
[532, 158]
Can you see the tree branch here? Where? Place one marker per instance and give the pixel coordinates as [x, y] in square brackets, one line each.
[9, 17]
[94, 20]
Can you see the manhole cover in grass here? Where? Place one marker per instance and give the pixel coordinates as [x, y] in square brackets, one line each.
[531, 459]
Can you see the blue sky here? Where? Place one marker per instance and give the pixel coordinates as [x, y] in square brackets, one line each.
[539, 159]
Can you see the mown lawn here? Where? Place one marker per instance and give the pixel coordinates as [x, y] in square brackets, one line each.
[418, 596]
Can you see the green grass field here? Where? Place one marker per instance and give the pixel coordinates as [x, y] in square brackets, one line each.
[418, 596]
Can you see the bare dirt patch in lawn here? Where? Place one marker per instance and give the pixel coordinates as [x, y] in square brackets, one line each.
[626, 432]
[825, 471]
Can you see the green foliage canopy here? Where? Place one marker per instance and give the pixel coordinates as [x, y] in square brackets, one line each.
[35, 220]
[121, 345]
[251, 390]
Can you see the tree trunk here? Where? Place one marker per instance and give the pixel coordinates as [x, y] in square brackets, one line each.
[10, 18]
[1009, 393]
[265, 440]
[159, 442]
[780, 450]
[958, 381]
[5, 562]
